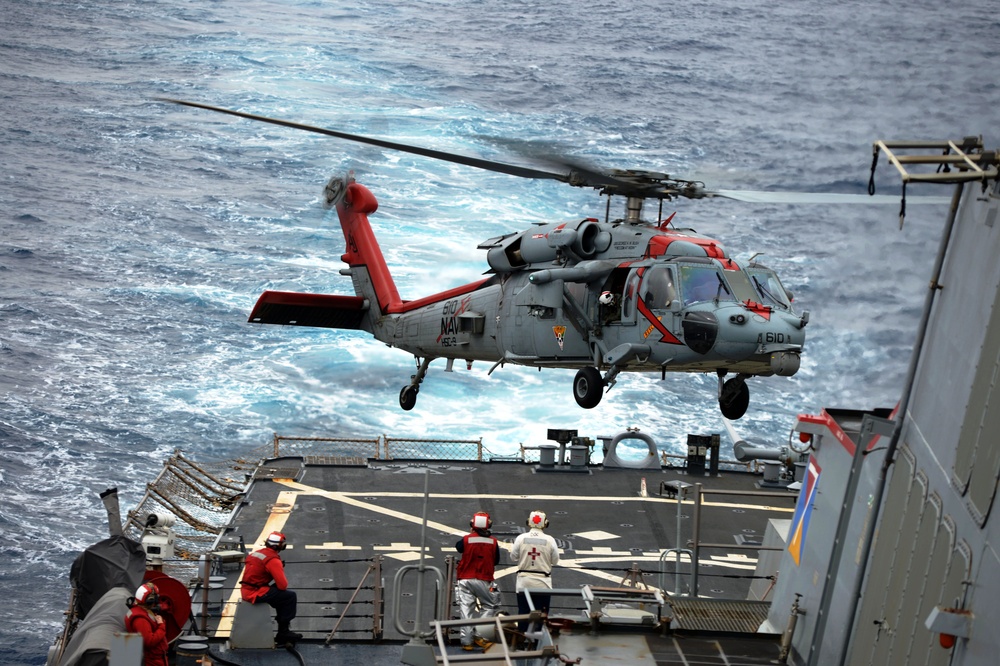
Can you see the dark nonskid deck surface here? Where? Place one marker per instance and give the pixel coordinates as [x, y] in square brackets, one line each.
[338, 517]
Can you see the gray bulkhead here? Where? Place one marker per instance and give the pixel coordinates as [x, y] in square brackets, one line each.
[947, 474]
[936, 542]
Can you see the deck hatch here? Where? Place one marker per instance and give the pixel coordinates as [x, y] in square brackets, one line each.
[268, 472]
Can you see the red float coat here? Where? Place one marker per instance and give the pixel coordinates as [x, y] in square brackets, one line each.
[261, 567]
[154, 635]
[480, 554]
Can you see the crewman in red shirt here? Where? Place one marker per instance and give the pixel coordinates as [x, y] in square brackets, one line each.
[480, 555]
[142, 618]
[264, 580]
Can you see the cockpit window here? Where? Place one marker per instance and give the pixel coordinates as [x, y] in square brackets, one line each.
[742, 288]
[703, 283]
[770, 288]
[658, 288]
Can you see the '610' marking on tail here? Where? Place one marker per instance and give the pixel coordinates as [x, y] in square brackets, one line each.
[449, 316]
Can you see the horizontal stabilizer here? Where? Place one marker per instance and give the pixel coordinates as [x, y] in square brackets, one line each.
[289, 308]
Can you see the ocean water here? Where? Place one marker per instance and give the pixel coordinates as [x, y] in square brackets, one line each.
[136, 235]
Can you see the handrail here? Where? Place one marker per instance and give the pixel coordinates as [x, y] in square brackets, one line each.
[696, 542]
[375, 566]
[506, 655]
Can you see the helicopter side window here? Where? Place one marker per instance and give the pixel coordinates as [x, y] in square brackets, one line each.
[703, 283]
[658, 288]
[612, 298]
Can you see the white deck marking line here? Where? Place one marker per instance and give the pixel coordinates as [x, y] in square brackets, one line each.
[722, 653]
[574, 498]
[331, 545]
[346, 498]
[680, 652]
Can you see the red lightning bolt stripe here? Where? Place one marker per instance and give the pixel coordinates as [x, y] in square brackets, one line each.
[667, 337]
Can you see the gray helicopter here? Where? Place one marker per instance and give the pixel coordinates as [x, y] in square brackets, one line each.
[600, 297]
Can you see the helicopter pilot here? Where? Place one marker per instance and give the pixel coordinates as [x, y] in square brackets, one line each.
[610, 310]
[610, 298]
[700, 284]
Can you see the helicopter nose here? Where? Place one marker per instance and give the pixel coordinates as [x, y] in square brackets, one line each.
[700, 331]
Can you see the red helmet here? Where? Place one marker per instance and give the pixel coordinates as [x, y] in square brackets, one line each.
[275, 541]
[147, 594]
[481, 521]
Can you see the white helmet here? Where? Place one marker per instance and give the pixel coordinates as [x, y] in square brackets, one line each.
[538, 519]
[606, 298]
[481, 521]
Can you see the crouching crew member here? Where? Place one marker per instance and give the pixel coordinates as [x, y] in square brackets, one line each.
[480, 555]
[264, 581]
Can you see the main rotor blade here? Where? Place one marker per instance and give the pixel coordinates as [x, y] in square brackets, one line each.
[488, 165]
[752, 196]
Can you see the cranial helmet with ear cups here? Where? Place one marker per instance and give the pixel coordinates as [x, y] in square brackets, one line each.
[481, 520]
[276, 541]
[147, 595]
[538, 519]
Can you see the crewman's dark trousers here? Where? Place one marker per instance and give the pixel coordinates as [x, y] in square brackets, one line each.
[283, 602]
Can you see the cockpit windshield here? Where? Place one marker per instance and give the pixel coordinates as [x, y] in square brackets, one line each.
[770, 288]
[703, 283]
[742, 288]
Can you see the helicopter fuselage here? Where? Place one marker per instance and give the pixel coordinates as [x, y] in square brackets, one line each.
[601, 298]
[509, 319]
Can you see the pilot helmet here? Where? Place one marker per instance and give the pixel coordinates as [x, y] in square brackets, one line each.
[606, 298]
[147, 594]
[275, 541]
[538, 519]
[481, 521]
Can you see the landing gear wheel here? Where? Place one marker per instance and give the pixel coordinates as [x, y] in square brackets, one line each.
[588, 387]
[408, 397]
[734, 398]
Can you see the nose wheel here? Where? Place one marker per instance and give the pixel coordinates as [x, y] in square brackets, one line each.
[588, 387]
[734, 396]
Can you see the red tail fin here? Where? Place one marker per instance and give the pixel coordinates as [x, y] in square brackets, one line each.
[362, 248]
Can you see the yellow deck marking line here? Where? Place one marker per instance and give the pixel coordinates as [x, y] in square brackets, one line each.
[280, 511]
